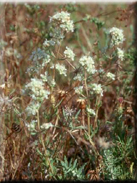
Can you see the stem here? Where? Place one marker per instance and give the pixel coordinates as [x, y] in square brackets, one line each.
[89, 124]
[88, 104]
[83, 117]
[56, 123]
[86, 84]
[43, 144]
[66, 61]
[97, 109]
[70, 64]
[87, 39]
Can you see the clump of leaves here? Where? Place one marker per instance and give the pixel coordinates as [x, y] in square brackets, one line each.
[117, 160]
[71, 171]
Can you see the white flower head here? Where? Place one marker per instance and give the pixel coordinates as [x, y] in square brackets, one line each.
[44, 77]
[38, 92]
[62, 69]
[69, 54]
[91, 111]
[120, 54]
[78, 89]
[88, 63]
[48, 43]
[97, 88]
[78, 77]
[31, 126]
[64, 19]
[117, 36]
[46, 126]
[32, 108]
[46, 60]
[111, 76]
[52, 83]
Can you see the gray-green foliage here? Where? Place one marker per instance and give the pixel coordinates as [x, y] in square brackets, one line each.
[116, 160]
[71, 170]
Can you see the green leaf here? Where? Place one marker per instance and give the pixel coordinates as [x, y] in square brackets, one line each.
[77, 114]
[74, 165]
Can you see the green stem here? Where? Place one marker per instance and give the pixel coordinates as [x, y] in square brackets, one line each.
[89, 124]
[97, 109]
[43, 144]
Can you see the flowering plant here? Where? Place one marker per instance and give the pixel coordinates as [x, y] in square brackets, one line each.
[65, 96]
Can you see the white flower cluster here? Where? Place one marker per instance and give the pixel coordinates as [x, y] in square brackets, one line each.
[31, 126]
[48, 79]
[97, 88]
[37, 88]
[120, 54]
[44, 77]
[64, 19]
[62, 69]
[46, 126]
[88, 63]
[117, 36]
[52, 83]
[69, 54]
[78, 77]
[91, 111]
[78, 89]
[33, 108]
[48, 43]
[46, 60]
[111, 76]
